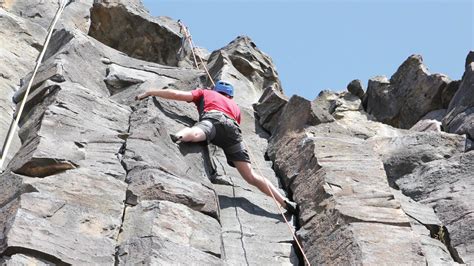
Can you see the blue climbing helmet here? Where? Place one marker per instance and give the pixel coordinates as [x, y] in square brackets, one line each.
[224, 87]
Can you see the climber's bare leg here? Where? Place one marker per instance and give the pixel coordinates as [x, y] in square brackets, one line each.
[191, 134]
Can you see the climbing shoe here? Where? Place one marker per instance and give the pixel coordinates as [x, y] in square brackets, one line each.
[175, 138]
[291, 207]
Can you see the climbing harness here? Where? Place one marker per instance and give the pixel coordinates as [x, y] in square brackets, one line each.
[187, 36]
[14, 125]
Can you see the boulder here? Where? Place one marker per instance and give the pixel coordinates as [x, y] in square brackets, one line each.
[460, 116]
[135, 33]
[444, 185]
[269, 108]
[410, 93]
[355, 88]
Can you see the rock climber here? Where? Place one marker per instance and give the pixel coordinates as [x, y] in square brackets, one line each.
[219, 120]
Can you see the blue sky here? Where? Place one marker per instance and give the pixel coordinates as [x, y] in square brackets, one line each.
[323, 44]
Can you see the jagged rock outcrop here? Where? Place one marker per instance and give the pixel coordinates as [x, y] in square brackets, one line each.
[410, 93]
[246, 67]
[460, 116]
[269, 108]
[134, 32]
[97, 180]
[355, 87]
[338, 170]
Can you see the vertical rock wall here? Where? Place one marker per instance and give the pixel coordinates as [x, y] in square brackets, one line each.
[97, 179]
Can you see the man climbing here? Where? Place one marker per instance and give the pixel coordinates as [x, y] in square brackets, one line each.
[219, 120]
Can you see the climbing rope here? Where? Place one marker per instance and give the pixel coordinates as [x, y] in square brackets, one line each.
[187, 35]
[14, 125]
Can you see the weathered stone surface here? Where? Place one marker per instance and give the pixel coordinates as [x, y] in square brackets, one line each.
[253, 230]
[157, 168]
[430, 122]
[172, 222]
[21, 259]
[449, 92]
[428, 227]
[269, 107]
[135, 33]
[411, 93]
[444, 185]
[355, 88]
[42, 12]
[404, 153]
[89, 138]
[154, 251]
[248, 69]
[460, 116]
[52, 215]
[341, 186]
[21, 40]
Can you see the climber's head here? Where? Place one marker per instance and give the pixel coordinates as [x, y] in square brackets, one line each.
[225, 88]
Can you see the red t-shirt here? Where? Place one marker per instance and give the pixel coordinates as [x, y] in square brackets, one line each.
[218, 102]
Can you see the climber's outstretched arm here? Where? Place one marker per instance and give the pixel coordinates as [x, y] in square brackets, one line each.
[167, 94]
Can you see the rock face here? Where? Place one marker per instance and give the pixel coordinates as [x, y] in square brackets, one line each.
[442, 184]
[337, 171]
[246, 67]
[97, 180]
[21, 40]
[94, 178]
[460, 117]
[410, 93]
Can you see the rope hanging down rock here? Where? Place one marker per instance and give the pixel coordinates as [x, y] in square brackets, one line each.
[187, 36]
[14, 124]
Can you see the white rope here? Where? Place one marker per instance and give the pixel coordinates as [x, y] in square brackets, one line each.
[14, 126]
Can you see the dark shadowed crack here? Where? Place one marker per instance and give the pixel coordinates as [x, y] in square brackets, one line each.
[441, 233]
[43, 167]
[10, 251]
[240, 223]
[120, 154]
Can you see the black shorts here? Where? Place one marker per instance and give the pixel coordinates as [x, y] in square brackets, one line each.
[224, 132]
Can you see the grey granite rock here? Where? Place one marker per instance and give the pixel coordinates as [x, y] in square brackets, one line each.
[21, 40]
[404, 153]
[247, 68]
[172, 222]
[154, 251]
[355, 88]
[444, 185]
[411, 93]
[136, 33]
[269, 108]
[460, 116]
[430, 122]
